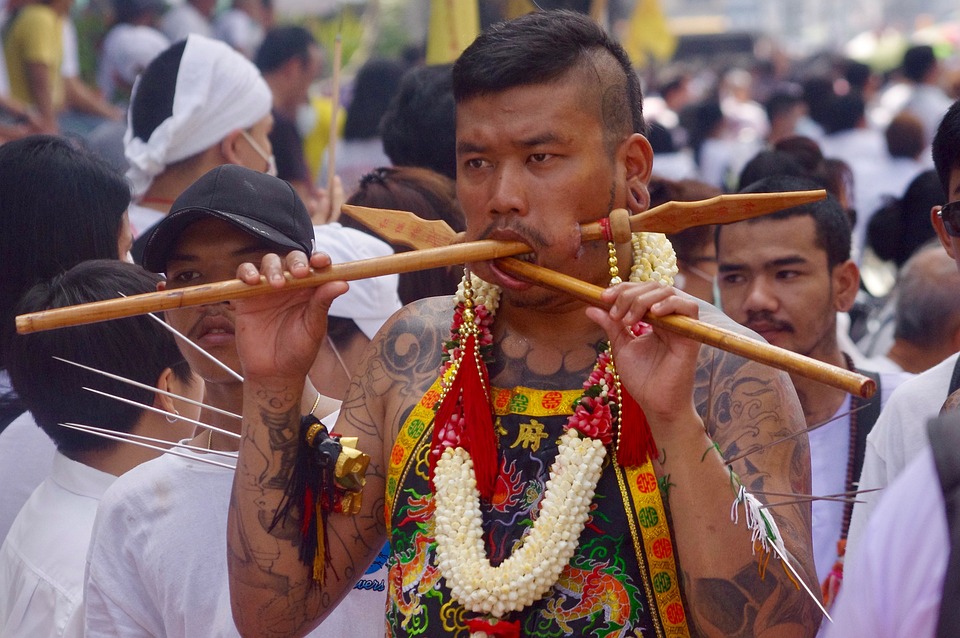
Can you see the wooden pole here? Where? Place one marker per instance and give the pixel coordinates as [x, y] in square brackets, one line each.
[673, 215]
[334, 112]
[237, 289]
[779, 358]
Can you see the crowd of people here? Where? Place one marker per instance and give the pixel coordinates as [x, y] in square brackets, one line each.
[464, 450]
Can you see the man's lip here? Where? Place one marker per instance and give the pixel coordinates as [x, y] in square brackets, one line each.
[508, 281]
[215, 327]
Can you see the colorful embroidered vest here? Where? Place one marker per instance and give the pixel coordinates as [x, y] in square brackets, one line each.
[621, 581]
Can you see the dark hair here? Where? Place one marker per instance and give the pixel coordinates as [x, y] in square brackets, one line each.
[419, 126]
[846, 112]
[136, 348]
[427, 194]
[900, 227]
[831, 221]
[282, 44]
[818, 94]
[687, 244]
[59, 205]
[769, 163]
[857, 74]
[917, 62]
[904, 136]
[376, 84]
[803, 149]
[542, 47]
[701, 121]
[152, 102]
[946, 146]
[779, 103]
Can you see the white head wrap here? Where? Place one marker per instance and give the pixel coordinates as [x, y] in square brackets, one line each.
[217, 91]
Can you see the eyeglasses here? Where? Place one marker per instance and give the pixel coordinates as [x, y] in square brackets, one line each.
[950, 215]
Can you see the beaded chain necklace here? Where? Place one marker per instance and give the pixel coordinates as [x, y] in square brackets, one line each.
[463, 458]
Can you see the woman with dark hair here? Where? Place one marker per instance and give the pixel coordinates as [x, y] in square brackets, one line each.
[59, 206]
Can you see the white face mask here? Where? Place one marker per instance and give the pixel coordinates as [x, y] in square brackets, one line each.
[306, 119]
[269, 159]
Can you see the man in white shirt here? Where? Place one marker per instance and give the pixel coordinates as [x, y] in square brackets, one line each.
[43, 557]
[786, 276]
[900, 435]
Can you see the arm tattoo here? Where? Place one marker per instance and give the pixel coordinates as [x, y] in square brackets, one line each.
[745, 405]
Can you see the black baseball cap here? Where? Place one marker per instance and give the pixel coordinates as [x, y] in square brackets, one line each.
[264, 206]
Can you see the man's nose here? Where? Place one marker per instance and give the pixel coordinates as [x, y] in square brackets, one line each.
[760, 296]
[509, 194]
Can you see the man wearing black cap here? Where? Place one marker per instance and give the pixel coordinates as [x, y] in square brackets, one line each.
[157, 562]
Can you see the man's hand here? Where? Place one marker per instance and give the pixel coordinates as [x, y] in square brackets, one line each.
[657, 367]
[278, 335]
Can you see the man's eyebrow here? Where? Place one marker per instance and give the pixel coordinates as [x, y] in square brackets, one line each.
[533, 141]
[542, 138]
[793, 260]
[469, 147]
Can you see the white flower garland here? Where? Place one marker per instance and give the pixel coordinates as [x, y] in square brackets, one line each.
[549, 544]
[533, 568]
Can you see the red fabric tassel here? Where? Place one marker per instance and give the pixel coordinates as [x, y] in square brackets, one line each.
[495, 627]
[469, 391]
[636, 440]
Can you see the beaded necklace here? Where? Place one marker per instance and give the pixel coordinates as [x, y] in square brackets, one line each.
[464, 459]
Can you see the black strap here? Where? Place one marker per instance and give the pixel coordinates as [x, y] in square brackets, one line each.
[955, 379]
[866, 417]
[944, 433]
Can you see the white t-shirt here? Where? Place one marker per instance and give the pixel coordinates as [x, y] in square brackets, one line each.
[897, 437]
[43, 557]
[829, 455]
[26, 458]
[158, 559]
[893, 586]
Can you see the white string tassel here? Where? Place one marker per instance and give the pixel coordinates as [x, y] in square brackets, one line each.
[764, 531]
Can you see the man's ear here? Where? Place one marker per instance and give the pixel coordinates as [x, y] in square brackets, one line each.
[638, 162]
[846, 283]
[229, 147]
[942, 233]
[162, 401]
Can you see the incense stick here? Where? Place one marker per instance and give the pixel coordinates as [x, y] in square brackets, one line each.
[139, 437]
[81, 428]
[334, 112]
[190, 343]
[144, 386]
[794, 435]
[164, 412]
[197, 348]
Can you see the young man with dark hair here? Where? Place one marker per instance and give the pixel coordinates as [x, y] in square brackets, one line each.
[897, 586]
[43, 558]
[548, 137]
[157, 561]
[786, 275]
